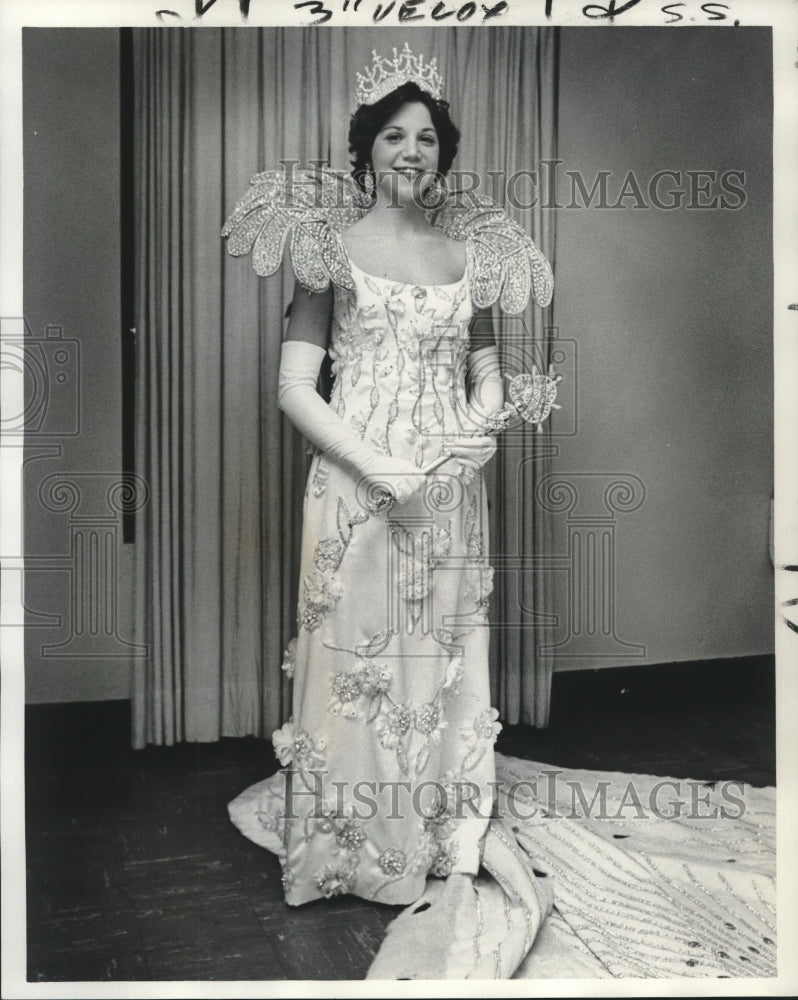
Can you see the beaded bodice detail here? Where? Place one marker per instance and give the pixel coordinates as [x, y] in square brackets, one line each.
[399, 353]
[312, 208]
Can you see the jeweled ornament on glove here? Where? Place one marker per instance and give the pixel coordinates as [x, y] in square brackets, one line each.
[533, 395]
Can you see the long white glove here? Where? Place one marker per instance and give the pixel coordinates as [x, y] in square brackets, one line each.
[300, 363]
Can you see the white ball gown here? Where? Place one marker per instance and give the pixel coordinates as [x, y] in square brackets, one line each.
[389, 772]
[389, 752]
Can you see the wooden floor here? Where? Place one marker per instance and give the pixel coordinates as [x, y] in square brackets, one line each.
[135, 872]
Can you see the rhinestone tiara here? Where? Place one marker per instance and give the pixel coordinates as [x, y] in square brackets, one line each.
[387, 74]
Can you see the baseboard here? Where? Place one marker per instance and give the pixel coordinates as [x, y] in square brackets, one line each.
[75, 728]
[81, 727]
[618, 690]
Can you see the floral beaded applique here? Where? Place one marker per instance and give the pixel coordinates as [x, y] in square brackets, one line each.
[479, 735]
[321, 592]
[392, 861]
[346, 839]
[367, 684]
[319, 482]
[322, 588]
[437, 850]
[301, 751]
[289, 658]
[364, 694]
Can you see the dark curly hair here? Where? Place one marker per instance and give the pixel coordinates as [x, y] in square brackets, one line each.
[367, 121]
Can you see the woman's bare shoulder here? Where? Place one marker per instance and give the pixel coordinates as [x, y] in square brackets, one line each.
[455, 247]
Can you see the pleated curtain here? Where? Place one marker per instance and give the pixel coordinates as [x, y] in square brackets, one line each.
[217, 546]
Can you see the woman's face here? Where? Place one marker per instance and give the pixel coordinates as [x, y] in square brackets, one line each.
[405, 154]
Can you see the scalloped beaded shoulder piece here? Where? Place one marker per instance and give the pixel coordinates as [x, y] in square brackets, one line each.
[505, 264]
[313, 207]
[309, 206]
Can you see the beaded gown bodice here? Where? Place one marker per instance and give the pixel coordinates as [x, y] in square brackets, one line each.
[399, 356]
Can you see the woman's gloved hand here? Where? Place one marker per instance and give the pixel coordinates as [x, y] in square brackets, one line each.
[398, 478]
[472, 452]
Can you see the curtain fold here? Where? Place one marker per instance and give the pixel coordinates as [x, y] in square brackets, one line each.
[217, 550]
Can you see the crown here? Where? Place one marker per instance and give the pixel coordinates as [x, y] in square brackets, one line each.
[386, 75]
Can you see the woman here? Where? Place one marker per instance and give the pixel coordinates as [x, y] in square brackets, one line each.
[389, 754]
[390, 750]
